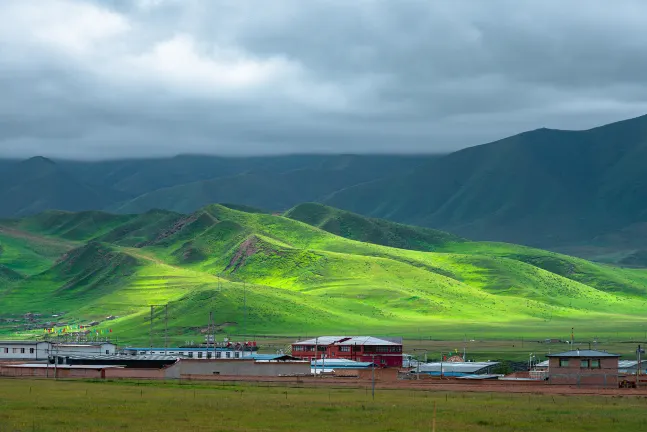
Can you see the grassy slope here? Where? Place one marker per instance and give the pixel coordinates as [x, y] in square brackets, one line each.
[297, 278]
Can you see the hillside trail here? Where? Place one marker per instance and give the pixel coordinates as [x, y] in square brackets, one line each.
[20, 234]
[138, 254]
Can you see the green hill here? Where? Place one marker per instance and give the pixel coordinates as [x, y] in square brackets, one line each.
[370, 230]
[303, 272]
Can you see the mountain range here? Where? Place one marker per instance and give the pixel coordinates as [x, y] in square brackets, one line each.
[578, 192]
[313, 268]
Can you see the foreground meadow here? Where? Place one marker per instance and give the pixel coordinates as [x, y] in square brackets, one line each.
[39, 405]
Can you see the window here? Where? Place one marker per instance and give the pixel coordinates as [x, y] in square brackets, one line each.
[344, 348]
[6, 350]
[237, 354]
[208, 354]
[190, 354]
[228, 354]
[200, 354]
[595, 364]
[22, 350]
[563, 362]
[584, 364]
[107, 351]
[357, 348]
[321, 348]
[218, 354]
[31, 350]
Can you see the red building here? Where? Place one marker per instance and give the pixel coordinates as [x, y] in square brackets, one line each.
[386, 353]
[583, 368]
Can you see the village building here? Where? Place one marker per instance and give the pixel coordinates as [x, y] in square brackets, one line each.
[583, 368]
[24, 350]
[382, 352]
[43, 350]
[205, 353]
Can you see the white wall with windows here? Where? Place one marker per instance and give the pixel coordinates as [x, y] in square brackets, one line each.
[24, 350]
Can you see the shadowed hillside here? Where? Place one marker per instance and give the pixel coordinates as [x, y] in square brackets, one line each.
[545, 187]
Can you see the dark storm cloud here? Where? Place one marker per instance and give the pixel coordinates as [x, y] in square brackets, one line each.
[111, 78]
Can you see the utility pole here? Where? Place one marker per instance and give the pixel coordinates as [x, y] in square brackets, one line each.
[151, 330]
[639, 351]
[441, 364]
[418, 361]
[209, 331]
[373, 376]
[165, 328]
[316, 351]
[213, 333]
[56, 362]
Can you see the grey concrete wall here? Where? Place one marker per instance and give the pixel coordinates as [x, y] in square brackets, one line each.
[239, 368]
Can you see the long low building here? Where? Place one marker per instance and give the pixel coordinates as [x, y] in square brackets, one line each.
[194, 353]
[383, 352]
[42, 350]
[456, 369]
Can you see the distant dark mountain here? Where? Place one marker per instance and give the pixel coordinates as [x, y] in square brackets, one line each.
[277, 184]
[545, 187]
[39, 184]
[140, 176]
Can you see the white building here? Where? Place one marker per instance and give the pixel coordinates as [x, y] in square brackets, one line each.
[195, 353]
[41, 350]
[24, 350]
[89, 348]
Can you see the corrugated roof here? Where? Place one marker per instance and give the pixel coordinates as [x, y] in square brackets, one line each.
[340, 364]
[451, 367]
[347, 340]
[583, 353]
[627, 363]
[118, 357]
[273, 357]
[17, 342]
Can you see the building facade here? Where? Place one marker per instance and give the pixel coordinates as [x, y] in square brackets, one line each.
[583, 368]
[193, 353]
[24, 350]
[42, 350]
[382, 352]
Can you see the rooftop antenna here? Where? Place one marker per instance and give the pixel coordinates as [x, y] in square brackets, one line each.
[572, 337]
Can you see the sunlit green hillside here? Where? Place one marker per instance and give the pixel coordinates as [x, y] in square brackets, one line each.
[314, 269]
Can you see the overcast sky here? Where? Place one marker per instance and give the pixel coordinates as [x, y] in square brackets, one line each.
[117, 78]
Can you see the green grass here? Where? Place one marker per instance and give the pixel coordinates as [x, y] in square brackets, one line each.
[296, 278]
[41, 405]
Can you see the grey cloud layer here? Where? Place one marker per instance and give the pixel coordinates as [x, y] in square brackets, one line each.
[89, 79]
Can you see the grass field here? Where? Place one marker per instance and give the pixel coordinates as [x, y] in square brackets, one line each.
[40, 405]
[265, 274]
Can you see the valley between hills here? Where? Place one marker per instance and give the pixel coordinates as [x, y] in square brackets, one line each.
[312, 269]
